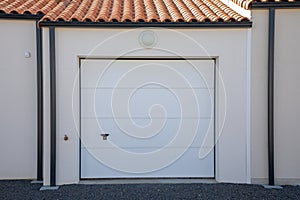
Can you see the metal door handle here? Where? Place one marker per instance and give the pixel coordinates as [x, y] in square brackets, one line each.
[104, 136]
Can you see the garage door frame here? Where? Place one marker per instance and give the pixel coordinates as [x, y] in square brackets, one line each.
[150, 58]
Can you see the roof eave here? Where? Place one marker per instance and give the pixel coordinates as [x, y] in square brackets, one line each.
[243, 24]
[20, 16]
[264, 5]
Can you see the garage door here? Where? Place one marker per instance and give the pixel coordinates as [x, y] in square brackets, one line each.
[147, 118]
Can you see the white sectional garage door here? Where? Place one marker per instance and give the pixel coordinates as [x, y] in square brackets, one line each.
[147, 118]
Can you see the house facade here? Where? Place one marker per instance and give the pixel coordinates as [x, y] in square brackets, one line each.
[154, 89]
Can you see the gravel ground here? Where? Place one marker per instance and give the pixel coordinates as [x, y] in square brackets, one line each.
[25, 190]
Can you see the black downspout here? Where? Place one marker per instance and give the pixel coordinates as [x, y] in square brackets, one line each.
[271, 95]
[39, 53]
[52, 107]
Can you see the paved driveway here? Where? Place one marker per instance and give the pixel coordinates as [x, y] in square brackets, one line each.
[25, 190]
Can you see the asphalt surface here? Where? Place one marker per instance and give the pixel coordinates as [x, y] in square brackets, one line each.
[25, 190]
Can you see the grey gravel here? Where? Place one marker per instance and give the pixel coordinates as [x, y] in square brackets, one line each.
[23, 189]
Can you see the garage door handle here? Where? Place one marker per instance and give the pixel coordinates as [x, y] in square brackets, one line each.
[104, 136]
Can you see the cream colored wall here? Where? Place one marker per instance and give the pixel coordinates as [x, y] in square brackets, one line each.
[259, 102]
[46, 98]
[287, 95]
[17, 100]
[229, 46]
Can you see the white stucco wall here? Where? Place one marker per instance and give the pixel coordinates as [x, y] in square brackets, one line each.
[229, 46]
[18, 100]
[259, 102]
[287, 96]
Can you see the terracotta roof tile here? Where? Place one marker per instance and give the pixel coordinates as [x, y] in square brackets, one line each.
[195, 10]
[26, 6]
[37, 7]
[151, 12]
[104, 12]
[12, 7]
[116, 12]
[185, 11]
[139, 11]
[5, 3]
[48, 7]
[207, 11]
[79, 14]
[174, 12]
[162, 11]
[52, 15]
[93, 10]
[70, 9]
[144, 11]
[247, 3]
[125, 10]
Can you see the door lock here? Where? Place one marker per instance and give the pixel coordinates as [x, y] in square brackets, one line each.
[104, 136]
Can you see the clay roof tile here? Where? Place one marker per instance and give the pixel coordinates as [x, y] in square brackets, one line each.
[151, 11]
[116, 11]
[139, 11]
[66, 14]
[162, 11]
[123, 11]
[93, 11]
[247, 3]
[105, 10]
[53, 14]
[81, 11]
[127, 11]
[173, 10]
[37, 7]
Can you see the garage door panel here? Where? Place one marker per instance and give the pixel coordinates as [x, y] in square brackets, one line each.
[93, 128]
[159, 115]
[92, 166]
[139, 104]
[107, 74]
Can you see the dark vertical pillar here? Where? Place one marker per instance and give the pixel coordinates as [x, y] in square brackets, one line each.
[271, 95]
[52, 107]
[39, 50]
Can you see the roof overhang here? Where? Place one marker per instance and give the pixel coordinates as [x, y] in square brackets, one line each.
[20, 16]
[243, 24]
[264, 5]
